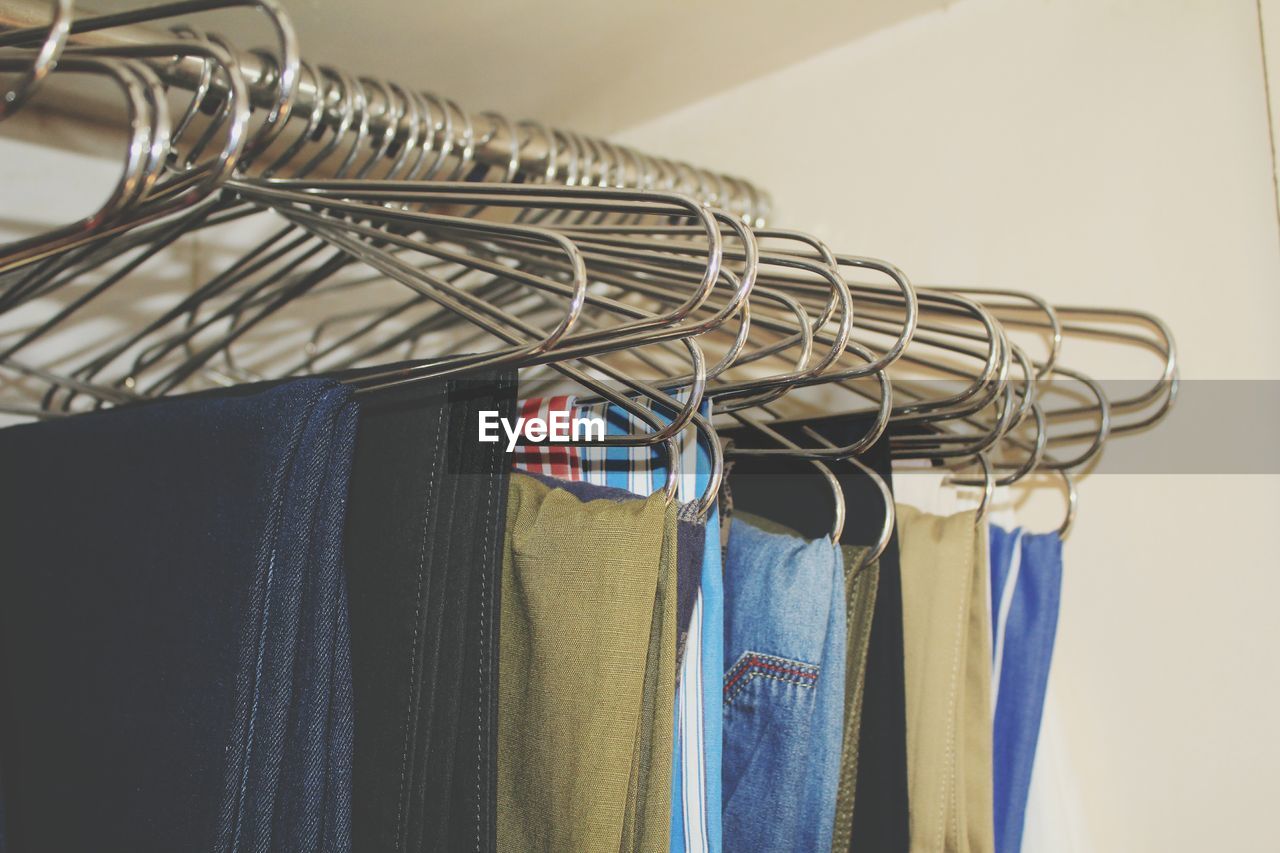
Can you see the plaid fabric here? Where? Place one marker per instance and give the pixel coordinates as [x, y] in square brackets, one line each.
[640, 470]
[550, 460]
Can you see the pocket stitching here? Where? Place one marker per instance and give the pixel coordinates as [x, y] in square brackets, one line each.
[752, 665]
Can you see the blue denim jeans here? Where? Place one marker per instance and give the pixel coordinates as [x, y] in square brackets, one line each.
[768, 485]
[783, 690]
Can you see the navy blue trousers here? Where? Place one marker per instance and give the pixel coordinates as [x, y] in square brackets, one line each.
[174, 639]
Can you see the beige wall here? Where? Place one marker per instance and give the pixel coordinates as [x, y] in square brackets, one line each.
[1093, 151]
[591, 66]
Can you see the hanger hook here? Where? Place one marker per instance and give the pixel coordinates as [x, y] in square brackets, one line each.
[46, 59]
[1073, 504]
[988, 487]
[890, 511]
[837, 494]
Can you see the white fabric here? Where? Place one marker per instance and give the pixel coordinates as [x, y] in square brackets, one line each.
[1055, 819]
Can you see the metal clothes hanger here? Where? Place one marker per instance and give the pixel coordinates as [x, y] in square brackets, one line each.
[336, 137]
[981, 388]
[43, 62]
[193, 52]
[577, 256]
[677, 423]
[838, 515]
[147, 117]
[988, 485]
[890, 511]
[1073, 505]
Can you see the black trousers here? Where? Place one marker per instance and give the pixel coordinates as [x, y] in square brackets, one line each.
[423, 560]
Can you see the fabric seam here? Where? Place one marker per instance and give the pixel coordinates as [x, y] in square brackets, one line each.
[277, 510]
[403, 793]
[481, 693]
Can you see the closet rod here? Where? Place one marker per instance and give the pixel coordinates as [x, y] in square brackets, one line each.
[259, 76]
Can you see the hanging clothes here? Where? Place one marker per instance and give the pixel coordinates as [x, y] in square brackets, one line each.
[175, 638]
[1026, 586]
[859, 592]
[564, 462]
[696, 782]
[948, 669]
[587, 672]
[783, 689]
[425, 518]
[768, 487]
[690, 541]
[860, 586]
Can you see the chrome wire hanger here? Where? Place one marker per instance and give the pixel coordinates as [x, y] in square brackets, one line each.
[390, 221]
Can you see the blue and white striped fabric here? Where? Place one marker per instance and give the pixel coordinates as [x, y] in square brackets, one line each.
[695, 809]
[1026, 586]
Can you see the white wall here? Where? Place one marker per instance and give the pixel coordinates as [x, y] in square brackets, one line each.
[1093, 151]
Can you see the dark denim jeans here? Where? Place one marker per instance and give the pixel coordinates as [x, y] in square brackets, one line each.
[173, 625]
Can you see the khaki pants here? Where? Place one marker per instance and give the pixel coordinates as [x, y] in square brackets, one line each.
[860, 585]
[586, 673]
[948, 681]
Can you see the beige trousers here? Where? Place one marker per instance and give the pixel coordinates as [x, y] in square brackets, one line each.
[948, 681]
